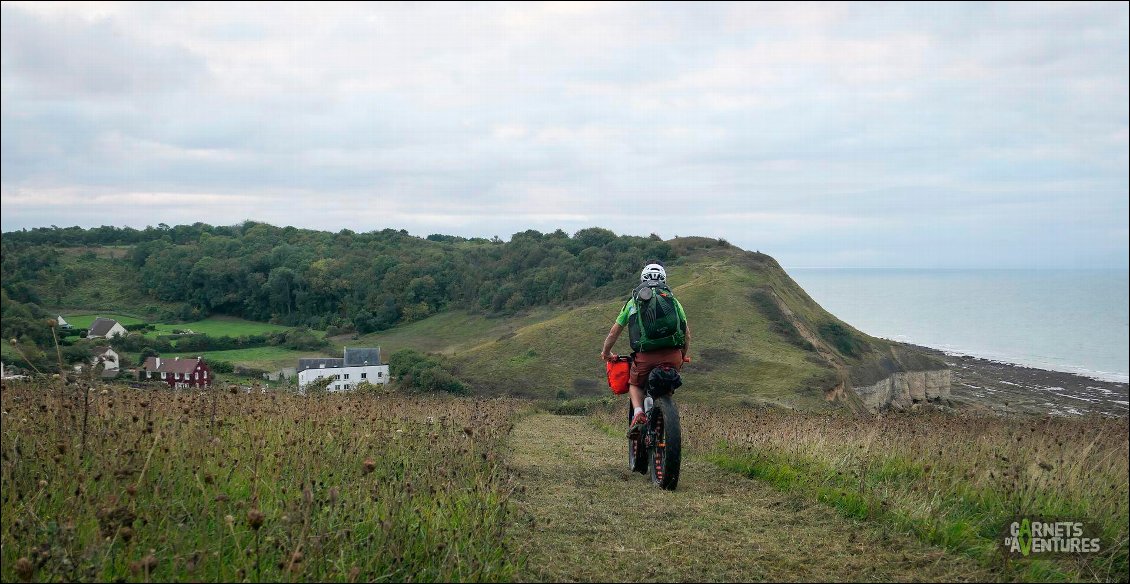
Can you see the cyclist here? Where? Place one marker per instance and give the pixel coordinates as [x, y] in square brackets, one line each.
[653, 278]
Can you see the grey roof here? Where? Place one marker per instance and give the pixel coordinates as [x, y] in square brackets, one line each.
[100, 327]
[318, 362]
[359, 357]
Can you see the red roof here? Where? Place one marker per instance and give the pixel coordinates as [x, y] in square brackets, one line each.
[174, 365]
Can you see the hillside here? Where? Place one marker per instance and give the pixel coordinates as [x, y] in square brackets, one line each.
[524, 317]
[757, 339]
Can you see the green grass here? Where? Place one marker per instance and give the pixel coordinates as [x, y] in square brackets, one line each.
[219, 326]
[739, 358]
[83, 321]
[267, 358]
[216, 326]
[447, 333]
[952, 481]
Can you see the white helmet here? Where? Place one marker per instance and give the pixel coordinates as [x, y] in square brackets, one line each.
[653, 273]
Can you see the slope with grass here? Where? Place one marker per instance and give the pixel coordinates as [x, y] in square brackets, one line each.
[757, 339]
[91, 278]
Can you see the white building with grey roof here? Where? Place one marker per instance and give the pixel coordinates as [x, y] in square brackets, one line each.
[355, 366]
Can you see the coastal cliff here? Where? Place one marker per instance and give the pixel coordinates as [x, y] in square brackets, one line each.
[903, 389]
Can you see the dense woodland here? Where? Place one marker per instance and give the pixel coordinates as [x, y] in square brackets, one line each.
[343, 281]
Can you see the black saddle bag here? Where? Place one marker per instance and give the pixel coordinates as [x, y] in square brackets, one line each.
[663, 380]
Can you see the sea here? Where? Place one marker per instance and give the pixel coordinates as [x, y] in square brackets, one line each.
[1074, 321]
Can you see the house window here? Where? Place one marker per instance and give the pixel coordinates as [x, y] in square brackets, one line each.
[162, 375]
[205, 374]
[338, 376]
[337, 386]
[364, 376]
[379, 374]
[347, 376]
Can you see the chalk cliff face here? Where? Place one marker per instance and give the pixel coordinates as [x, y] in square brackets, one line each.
[903, 389]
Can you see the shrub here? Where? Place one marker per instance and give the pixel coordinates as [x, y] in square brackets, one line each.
[416, 371]
[842, 339]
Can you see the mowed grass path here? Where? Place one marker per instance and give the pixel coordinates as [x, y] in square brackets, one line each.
[589, 519]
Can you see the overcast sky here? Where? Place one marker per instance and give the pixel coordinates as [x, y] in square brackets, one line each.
[932, 135]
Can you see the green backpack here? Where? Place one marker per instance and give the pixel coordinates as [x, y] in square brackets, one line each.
[656, 323]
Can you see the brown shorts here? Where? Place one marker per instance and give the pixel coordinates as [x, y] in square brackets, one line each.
[645, 362]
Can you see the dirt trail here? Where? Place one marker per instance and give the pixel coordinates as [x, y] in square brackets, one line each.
[586, 518]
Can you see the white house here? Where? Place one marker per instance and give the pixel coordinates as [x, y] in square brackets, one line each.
[356, 366]
[105, 328]
[63, 324]
[107, 355]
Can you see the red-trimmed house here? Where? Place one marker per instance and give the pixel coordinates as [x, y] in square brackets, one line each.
[177, 372]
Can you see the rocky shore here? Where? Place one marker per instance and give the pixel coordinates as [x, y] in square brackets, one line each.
[1007, 388]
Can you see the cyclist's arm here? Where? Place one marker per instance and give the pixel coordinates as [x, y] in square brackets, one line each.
[617, 327]
[613, 334]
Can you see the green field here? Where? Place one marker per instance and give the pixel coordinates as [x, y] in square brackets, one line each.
[219, 326]
[82, 321]
[267, 358]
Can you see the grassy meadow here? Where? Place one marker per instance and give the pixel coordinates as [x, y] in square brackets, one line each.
[221, 326]
[143, 485]
[83, 321]
[952, 481]
[216, 326]
[265, 358]
[108, 483]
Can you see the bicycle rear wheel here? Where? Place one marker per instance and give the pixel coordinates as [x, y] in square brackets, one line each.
[665, 450]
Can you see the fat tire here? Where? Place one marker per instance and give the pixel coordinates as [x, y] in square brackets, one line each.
[671, 455]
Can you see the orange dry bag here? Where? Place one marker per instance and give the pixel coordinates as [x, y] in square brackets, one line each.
[618, 370]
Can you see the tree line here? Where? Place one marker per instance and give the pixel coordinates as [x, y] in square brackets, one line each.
[346, 281]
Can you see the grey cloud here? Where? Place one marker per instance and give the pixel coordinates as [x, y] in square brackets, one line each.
[872, 134]
[69, 57]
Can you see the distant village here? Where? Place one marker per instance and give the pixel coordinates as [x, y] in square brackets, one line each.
[355, 366]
